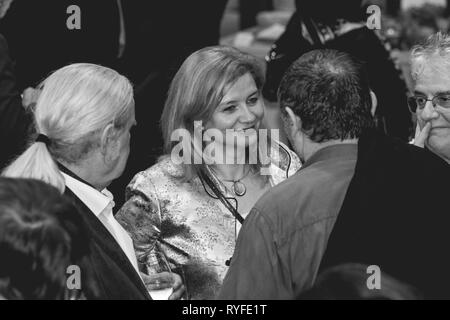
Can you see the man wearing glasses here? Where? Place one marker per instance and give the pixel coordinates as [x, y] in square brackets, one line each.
[431, 100]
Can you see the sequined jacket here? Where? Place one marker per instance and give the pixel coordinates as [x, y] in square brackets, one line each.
[193, 229]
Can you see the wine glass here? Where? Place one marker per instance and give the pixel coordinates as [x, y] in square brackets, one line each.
[157, 272]
[159, 281]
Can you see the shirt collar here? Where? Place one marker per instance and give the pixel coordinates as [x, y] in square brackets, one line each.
[338, 151]
[95, 200]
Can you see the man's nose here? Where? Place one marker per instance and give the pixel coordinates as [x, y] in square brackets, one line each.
[429, 111]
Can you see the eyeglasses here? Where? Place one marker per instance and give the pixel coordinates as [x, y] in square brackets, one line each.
[415, 102]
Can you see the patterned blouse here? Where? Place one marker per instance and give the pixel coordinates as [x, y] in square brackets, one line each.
[193, 229]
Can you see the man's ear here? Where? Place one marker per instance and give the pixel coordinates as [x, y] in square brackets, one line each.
[374, 102]
[296, 123]
[107, 143]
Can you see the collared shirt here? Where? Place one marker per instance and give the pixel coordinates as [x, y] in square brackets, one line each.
[102, 204]
[281, 243]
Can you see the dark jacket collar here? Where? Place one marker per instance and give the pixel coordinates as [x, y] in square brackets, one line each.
[101, 236]
[344, 151]
[70, 173]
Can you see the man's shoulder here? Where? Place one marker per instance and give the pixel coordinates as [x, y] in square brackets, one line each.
[304, 199]
[312, 178]
[382, 150]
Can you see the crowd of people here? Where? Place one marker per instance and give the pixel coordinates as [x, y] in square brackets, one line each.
[99, 200]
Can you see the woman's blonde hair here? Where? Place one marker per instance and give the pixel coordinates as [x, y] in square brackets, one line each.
[76, 103]
[200, 85]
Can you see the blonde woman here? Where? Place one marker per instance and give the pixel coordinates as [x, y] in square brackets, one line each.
[83, 118]
[191, 211]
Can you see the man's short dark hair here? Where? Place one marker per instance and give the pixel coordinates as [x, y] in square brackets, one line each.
[41, 234]
[329, 91]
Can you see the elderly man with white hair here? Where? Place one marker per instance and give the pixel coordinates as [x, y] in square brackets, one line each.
[84, 115]
[431, 100]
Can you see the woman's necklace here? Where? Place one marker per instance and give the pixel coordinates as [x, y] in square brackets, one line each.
[238, 187]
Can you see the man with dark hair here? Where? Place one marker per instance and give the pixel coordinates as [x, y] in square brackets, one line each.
[39, 240]
[327, 104]
[360, 197]
[338, 100]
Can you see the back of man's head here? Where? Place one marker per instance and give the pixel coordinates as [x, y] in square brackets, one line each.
[329, 91]
[41, 235]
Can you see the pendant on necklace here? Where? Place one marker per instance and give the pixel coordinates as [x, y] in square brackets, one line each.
[239, 188]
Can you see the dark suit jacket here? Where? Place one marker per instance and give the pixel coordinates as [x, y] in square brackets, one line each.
[14, 121]
[112, 276]
[40, 41]
[396, 215]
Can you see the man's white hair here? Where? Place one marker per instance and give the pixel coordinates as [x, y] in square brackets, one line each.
[75, 105]
[434, 54]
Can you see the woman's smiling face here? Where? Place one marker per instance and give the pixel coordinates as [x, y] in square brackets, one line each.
[241, 109]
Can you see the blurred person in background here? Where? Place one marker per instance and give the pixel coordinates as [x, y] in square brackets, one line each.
[418, 23]
[41, 235]
[40, 40]
[342, 26]
[350, 282]
[15, 121]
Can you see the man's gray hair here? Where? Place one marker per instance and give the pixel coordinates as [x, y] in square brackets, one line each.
[433, 53]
